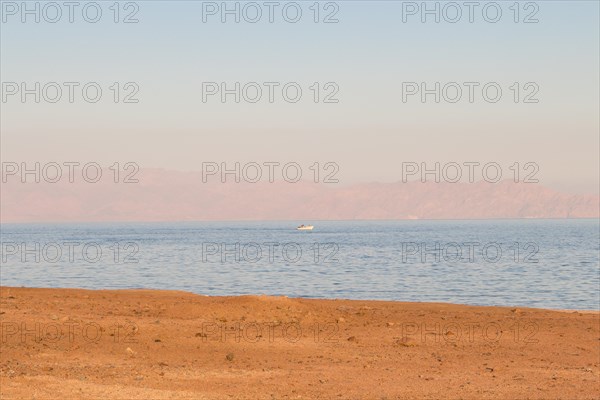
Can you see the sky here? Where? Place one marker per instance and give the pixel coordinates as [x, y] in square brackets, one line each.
[365, 62]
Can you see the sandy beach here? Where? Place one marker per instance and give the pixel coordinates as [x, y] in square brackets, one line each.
[146, 344]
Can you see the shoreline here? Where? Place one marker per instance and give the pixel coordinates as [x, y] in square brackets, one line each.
[294, 220]
[185, 292]
[146, 343]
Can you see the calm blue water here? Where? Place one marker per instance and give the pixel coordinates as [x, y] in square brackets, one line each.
[538, 263]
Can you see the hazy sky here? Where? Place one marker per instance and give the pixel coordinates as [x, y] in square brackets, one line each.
[368, 55]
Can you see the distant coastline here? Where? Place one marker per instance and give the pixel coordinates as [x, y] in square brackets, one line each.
[177, 196]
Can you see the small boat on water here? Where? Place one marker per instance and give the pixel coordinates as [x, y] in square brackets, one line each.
[305, 227]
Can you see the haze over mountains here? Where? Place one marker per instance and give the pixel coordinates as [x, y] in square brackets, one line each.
[182, 196]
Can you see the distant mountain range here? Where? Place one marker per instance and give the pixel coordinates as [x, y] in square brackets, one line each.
[181, 196]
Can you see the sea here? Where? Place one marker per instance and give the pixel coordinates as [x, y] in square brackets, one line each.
[529, 263]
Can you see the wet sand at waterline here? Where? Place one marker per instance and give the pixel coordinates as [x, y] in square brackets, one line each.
[147, 344]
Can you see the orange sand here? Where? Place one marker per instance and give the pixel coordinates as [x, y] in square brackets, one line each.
[172, 345]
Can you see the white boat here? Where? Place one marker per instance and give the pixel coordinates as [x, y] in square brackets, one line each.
[305, 228]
